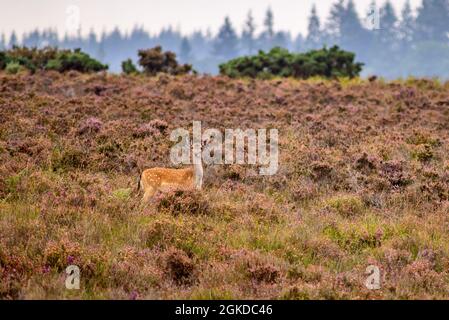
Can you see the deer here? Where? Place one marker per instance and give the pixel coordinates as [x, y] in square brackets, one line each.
[164, 179]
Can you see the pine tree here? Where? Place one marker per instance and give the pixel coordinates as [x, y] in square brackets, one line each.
[91, 42]
[313, 40]
[226, 41]
[2, 42]
[269, 23]
[352, 34]
[200, 45]
[13, 40]
[335, 20]
[266, 37]
[388, 34]
[432, 22]
[248, 34]
[407, 24]
[185, 52]
[299, 44]
[281, 39]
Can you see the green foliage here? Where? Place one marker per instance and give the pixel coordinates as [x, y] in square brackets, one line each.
[346, 205]
[67, 60]
[122, 194]
[329, 63]
[13, 67]
[155, 61]
[128, 67]
[3, 60]
[48, 58]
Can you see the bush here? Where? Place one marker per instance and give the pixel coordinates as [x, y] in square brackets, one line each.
[155, 61]
[128, 67]
[13, 67]
[329, 63]
[346, 205]
[179, 266]
[177, 202]
[3, 60]
[79, 61]
[49, 59]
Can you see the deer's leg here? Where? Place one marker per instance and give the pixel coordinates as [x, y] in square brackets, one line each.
[149, 193]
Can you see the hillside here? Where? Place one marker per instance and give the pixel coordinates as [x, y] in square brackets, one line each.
[363, 180]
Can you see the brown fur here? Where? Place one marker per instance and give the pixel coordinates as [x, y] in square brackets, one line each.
[164, 179]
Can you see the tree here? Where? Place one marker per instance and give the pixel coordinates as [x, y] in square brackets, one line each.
[200, 45]
[226, 41]
[388, 34]
[269, 23]
[185, 52]
[432, 22]
[13, 40]
[91, 42]
[266, 38]
[386, 54]
[352, 34]
[333, 25]
[299, 43]
[407, 24]
[313, 40]
[2, 42]
[248, 34]
[281, 39]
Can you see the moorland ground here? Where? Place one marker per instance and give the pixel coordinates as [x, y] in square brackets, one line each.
[363, 180]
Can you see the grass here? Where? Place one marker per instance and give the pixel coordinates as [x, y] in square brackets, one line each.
[361, 181]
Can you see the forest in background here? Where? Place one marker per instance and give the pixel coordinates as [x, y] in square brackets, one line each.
[405, 44]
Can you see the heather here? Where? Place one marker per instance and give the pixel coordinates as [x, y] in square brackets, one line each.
[363, 180]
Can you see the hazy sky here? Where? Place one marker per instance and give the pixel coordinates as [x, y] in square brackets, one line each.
[185, 15]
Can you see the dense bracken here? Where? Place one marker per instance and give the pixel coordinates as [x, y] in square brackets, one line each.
[363, 180]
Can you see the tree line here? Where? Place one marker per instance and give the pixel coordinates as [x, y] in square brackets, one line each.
[403, 44]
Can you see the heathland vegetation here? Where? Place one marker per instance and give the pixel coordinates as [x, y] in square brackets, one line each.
[363, 180]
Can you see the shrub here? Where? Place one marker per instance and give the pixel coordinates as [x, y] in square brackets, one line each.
[155, 61]
[91, 125]
[3, 60]
[329, 63]
[77, 60]
[128, 67]
[154, 128]
[346, 205]
[13, 67]
[49, 59]
[179, 266]
[30, 58]
[122, 194]
[264, 273]
[178, 202]
[423, 153]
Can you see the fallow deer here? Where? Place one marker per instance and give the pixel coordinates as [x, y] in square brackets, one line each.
[164, 179]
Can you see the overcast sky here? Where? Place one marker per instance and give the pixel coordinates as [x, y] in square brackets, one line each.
[185, 15]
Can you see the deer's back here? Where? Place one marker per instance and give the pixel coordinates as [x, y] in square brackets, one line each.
[162, 178]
